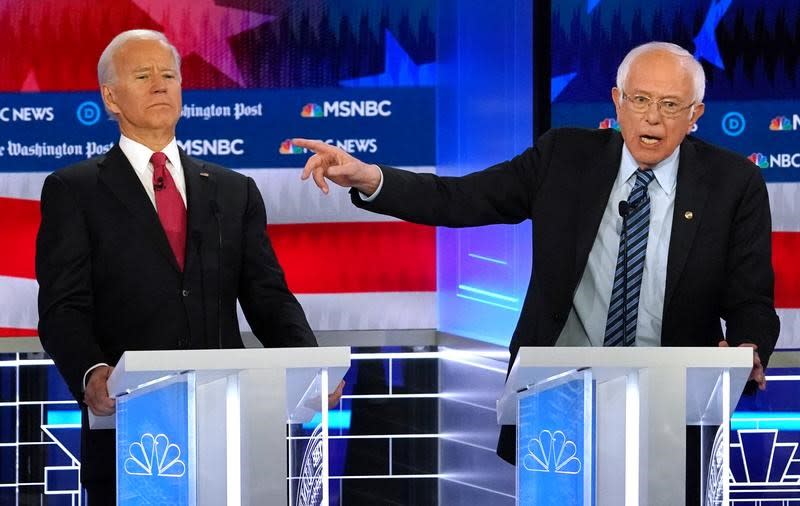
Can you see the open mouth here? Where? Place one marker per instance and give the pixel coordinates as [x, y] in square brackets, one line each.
[649, 140]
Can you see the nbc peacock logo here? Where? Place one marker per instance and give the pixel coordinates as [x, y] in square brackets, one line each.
[552, 452]
[155, 456]
[287, 148]
[759, 159]
[609, 123]
[311, 110]
[780, 124]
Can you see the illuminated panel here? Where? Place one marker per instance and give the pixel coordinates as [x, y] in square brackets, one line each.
[765, 445]
[485, 78]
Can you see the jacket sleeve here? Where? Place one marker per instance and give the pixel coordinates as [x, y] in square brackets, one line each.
[64, 272]
[274, 314]
[503, 193]
[749, 301]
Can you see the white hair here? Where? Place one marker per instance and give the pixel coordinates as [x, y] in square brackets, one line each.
[689, 62]
[106, 73]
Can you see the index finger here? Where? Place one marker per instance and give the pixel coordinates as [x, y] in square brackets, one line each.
[315, 146]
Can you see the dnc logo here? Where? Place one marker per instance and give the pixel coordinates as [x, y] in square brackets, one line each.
[609, 123]
[783, 124]
[311, 110]
[155, 456]
[759, 159]
[287, 148]
[551, 452]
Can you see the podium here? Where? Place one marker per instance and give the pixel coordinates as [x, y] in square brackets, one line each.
[607, 426]
[209, 427]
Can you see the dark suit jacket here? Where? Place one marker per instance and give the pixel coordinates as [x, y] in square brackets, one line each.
[719, 263]
[109, 282]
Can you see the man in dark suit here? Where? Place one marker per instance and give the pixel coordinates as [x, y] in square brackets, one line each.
[145, 248]
[696, 221]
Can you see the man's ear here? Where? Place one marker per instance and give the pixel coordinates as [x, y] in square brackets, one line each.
[616, 97]
[108, 98]
[697, 111]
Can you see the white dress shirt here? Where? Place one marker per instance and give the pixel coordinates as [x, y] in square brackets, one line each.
[586, 323]
[139, 156]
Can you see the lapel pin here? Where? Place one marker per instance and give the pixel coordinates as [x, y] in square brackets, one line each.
[204, 174]
[688, 215]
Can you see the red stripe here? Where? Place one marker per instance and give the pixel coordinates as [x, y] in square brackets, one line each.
[19, 221]
[356, 257]
[317, 257]
[7, 332]
[349, 257]
[785, 250]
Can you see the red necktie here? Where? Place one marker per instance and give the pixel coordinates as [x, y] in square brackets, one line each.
[169, 205]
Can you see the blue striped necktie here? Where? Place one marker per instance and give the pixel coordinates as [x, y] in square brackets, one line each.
[624, 306]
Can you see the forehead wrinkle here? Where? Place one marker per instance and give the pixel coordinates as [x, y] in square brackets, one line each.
[145, 68]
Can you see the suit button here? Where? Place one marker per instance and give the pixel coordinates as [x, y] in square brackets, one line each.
[185, 293]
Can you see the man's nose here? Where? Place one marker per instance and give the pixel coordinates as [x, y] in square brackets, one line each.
[653, 113]
[159, 84]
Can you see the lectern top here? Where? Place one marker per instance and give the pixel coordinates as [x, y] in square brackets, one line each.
[634, 357]
[249, 358]
[137, 368]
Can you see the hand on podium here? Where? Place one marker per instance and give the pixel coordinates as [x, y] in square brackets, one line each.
[757, 373]
[96, 394]
[333, 399]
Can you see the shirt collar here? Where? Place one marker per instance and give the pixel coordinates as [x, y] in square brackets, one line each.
[139, 154]
[665, 171]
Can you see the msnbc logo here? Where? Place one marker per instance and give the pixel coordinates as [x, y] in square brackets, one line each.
[609, 123]
[287, 148]
[348, 109]
[759, 159]
[311, 110]
[782, 123]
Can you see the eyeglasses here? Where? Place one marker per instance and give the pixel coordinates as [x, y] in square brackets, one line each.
[667, 107]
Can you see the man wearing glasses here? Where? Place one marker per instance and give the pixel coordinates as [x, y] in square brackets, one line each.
[642, 237]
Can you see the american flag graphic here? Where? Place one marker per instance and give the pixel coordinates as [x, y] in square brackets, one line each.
[350, 269]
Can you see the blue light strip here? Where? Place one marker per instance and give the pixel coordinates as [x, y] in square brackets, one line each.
[339, 419]
[487, 293]
[488, 259]
[780, 420]
[495, 304]
[64, 417]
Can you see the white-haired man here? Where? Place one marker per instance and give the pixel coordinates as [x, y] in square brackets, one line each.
[690, 220]
[147, 248]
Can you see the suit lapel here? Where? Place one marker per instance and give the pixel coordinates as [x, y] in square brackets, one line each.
[197, 198]
[118, 175]
[596, 181]
[690, 197]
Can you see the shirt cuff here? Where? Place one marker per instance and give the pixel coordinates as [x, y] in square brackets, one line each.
[86, 374]
[372, 197]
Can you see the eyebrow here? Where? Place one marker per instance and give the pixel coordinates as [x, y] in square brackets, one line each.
[642, 92]
[147, 68]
